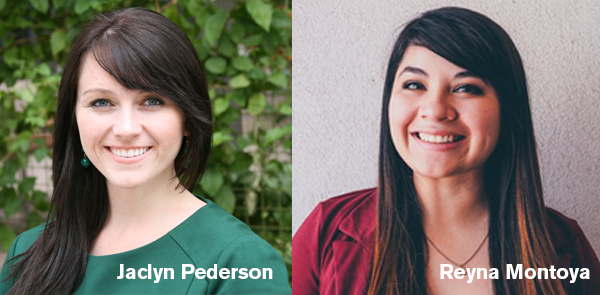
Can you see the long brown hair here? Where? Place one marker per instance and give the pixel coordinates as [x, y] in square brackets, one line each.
[142, 50]
[517, 227]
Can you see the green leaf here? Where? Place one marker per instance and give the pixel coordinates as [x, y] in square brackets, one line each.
[214, 25]
[26, 185]
[257, 74]
[10, 167]
[26, 95]
[242, 63]
[38, 196]
[58, 3]
[39, 200]
[221, 105]
[7, 236]
[23, 159]
[285, 109]
[11, 55]
[82, 6]
[216, 65]
[237, 32]
[243, 142]
[261, 13]
[8, 40]
[40, 154]
[253, 40]
[2, 4]
[239, 81]
[58, 41]
[40, 5]
[212, 181]
[277, 133]
[256, 103]
[44, 69]
[12, 203]
[281, 20]
[226, 199]
[226, 46]
[237, 96]
[220, 137]
[278, 79]
[230, 115]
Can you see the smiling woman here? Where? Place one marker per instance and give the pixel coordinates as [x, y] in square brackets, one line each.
[459, 181]
[132, 135]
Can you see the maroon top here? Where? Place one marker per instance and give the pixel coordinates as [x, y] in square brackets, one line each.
[333, 247]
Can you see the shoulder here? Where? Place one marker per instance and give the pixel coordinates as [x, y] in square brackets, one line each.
[213, 237]
[346, 203]
[26, 239]
[570, 243]
[353, 214]
[563, 230]
[574, 250]
[209, 231]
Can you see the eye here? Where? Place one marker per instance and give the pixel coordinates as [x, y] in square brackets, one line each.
[469, 88]
[100, 103]
[153, 101]
[412, 85]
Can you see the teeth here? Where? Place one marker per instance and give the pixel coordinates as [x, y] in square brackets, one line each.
[129, 153]
[438, 138]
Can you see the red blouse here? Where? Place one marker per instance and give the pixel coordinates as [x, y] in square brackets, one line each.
[333, 247]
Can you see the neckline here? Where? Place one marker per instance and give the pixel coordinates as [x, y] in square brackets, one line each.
[208, 203]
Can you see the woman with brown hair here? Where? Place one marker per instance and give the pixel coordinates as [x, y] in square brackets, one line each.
[459, 181]
[132, 136]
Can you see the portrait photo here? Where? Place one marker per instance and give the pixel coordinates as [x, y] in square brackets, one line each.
[446, 147]
[145, 147]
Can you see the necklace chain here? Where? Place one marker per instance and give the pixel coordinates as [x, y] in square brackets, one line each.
[461, 265]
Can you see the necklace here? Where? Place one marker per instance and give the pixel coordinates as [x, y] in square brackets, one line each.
[460, 265]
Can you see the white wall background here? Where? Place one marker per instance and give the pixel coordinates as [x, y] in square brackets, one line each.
[340, 54]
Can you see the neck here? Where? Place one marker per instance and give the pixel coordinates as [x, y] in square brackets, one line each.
[141, 205]
[452, 201]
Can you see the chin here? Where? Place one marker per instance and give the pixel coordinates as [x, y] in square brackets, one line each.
[125, 182]
[434, 171]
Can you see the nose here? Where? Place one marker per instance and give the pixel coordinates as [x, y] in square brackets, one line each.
[437, 107]
[127, 125]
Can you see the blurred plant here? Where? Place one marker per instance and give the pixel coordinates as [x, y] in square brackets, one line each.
[246, 50]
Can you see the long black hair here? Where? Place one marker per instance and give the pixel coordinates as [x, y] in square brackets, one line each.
[517, 227]
[142, 50]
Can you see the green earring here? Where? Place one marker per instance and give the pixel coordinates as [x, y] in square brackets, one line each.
[85, 162]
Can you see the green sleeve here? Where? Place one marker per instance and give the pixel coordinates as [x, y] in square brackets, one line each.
[5, 285]
[250, 251]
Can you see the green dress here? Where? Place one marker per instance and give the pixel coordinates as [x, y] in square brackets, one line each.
[210, 236]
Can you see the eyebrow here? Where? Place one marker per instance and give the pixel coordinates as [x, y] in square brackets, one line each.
[413, 70]
[101, 90]
[418, 71]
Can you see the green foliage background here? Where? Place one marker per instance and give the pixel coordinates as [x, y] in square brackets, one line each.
[246, 50]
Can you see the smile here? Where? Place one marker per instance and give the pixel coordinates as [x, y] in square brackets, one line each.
[438, 139]
[129, 153]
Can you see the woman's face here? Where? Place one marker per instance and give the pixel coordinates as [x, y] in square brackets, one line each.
[444, 121]
[131, 137]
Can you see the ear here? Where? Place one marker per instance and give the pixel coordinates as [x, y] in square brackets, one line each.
[185, 131]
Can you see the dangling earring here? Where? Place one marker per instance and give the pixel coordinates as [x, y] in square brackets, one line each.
[85, 162]
[185, 149]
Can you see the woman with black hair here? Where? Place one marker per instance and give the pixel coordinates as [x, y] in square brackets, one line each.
[459, 181]
[133, 118]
